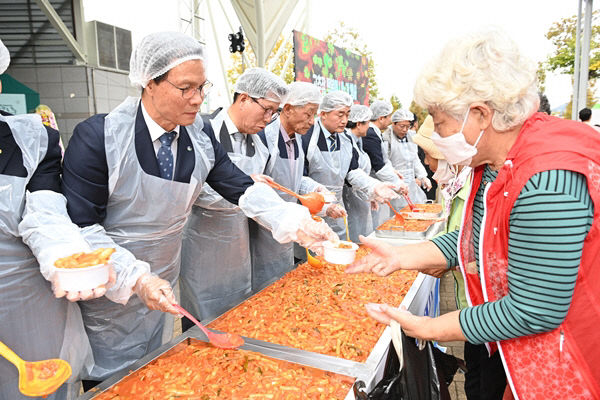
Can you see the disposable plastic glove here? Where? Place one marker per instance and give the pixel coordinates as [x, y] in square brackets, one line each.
[312, 234]
[401, 188]
[335, 211]
[84, 295]
[262, 178]
[426, 183]
[156, 293]
[384, 191]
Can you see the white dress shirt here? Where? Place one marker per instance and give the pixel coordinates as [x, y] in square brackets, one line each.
[238, 147]
[156, 132]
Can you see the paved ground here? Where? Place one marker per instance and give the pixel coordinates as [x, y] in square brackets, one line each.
[448, 304]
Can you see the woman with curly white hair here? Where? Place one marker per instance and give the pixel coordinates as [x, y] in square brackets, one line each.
[529, 239]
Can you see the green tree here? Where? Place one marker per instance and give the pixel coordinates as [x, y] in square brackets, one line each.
[562, 35]
[419, 111]
[395, 102]
[236, 61]
[347, 38]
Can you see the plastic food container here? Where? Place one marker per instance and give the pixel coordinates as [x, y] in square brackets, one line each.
[329, 197]
[86, 278]
[337, 255]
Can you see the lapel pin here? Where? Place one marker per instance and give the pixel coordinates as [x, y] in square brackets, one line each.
[189, 148]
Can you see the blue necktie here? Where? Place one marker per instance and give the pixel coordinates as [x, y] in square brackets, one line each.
[165, 155]
[333, 143]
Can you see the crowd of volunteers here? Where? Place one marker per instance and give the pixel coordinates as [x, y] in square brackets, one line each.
[186, 198]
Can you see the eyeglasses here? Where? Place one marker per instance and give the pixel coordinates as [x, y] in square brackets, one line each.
[404, 127]
[189, 92]
[269, 113]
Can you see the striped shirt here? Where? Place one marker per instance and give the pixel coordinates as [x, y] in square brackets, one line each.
[548, 224]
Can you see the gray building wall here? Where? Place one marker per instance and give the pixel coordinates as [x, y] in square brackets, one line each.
[75, 93]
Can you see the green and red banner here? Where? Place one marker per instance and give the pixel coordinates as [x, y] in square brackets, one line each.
[331, 67]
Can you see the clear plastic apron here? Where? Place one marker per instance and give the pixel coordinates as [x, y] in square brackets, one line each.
[404, 156]
[216, 270]
[383, 213]
[145, 214]
[33, 323]
[359, 210]
[330, 169]
[271, 259]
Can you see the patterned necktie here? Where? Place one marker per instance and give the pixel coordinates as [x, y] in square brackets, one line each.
[332, 144]
[165, 155]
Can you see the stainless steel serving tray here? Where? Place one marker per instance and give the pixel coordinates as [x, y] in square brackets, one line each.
[423, 215]
[314, 360]
[409, 235]
[370, 372]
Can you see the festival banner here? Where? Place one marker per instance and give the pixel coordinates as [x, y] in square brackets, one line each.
[331, 67]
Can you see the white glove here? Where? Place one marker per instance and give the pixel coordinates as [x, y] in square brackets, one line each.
[311, 235]
[384, 191]
[156, 293]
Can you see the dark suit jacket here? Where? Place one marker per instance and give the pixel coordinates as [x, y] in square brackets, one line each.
[322, 145]
[85, 175]
[372, 146]
[47, 174]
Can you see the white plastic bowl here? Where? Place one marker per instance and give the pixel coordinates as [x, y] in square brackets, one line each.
[335, 255]
[75, 279]
[329, 197]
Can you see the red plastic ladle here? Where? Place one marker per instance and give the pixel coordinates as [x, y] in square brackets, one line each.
[398, 216]
[313, 201]
[220, 340]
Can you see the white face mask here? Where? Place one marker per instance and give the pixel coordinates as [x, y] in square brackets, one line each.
[444, 173]
[455, 148]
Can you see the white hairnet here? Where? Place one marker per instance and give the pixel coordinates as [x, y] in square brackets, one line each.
[159, 52]
[302, 93]
[381, 108]
[335, 100]
[402, 115]
[260, 83]
[360, 113]
[4, 57]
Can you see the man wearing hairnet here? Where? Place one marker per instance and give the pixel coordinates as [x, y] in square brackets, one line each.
[131, 177]
[35, 230]
[381, 167]
[271, 259]
[218, 228]
[403, 154]
[331, 159]
[358, 207]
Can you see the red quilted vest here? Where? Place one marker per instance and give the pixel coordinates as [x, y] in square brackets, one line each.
[565, 362]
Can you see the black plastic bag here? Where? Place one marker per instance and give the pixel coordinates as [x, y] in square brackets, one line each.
[419, 378]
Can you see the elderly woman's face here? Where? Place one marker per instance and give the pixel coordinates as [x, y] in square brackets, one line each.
[431, 162]
[167, 99]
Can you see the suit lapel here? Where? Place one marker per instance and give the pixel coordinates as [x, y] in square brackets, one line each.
[225, 139]
[186, 160]
[143, 146]
[7, 145]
